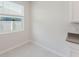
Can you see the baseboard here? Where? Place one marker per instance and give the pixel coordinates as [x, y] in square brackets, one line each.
[13, 47]
[51, 50]
[25, 42]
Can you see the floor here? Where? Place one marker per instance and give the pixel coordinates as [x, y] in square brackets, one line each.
[28, 50]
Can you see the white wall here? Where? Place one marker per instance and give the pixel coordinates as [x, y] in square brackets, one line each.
[50, 25]
[13, 39]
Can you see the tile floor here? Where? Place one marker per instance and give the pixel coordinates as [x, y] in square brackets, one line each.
[28, 50]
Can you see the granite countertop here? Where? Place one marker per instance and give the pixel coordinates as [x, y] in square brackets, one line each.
[73, 37]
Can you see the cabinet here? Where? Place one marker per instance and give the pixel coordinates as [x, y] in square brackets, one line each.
[75, 12]
[74, 50]
[74, 28]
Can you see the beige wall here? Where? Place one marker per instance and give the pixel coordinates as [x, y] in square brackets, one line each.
[50, 24]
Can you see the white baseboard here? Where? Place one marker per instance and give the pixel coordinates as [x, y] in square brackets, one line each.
[50, 50]
[25, 42]
[13, 47]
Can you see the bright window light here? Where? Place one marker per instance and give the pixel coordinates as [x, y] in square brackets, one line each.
[11, 17]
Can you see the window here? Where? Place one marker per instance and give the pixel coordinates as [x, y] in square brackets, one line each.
[11, 17]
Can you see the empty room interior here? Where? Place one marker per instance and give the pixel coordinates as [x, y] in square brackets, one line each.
[39, 28]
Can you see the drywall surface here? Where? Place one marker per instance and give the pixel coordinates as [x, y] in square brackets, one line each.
[12, 39]
[50, 25]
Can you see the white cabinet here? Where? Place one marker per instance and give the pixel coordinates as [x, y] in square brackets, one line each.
[74, 52]
[74, 27]
[74, 17]
[75, 12]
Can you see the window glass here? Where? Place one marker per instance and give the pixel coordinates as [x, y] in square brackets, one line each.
[11, 17]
